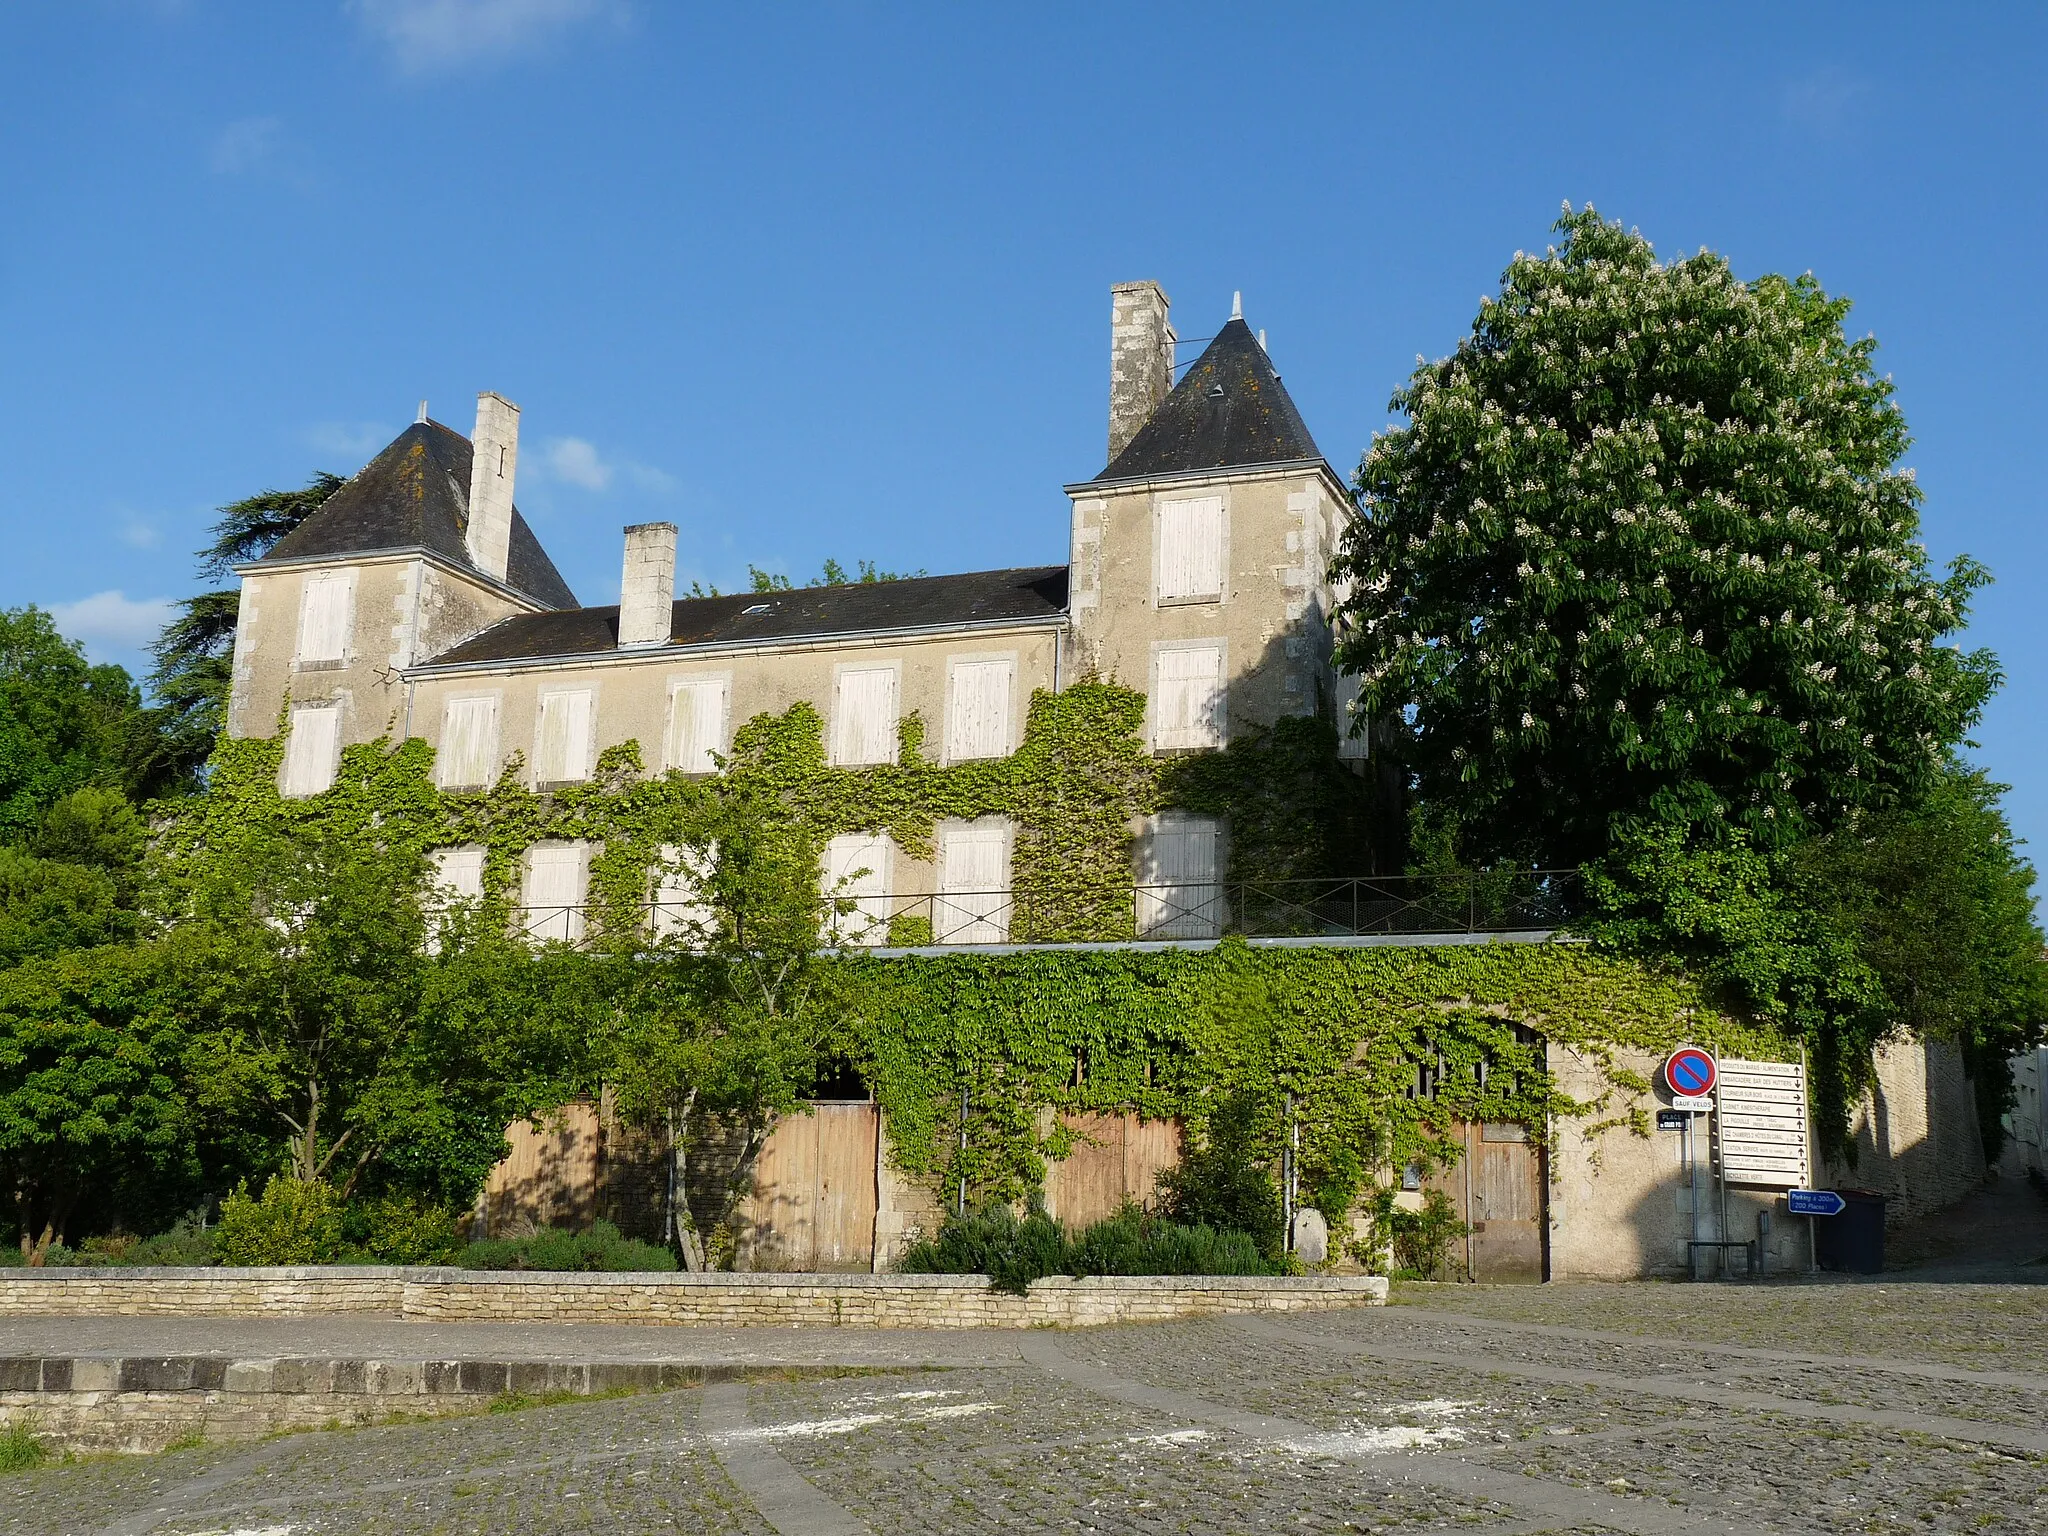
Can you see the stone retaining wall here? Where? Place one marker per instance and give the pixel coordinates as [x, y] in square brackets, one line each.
[103, 1403]
[710, 1300]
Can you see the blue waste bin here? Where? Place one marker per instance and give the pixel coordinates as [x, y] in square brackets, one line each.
[1853, 1242]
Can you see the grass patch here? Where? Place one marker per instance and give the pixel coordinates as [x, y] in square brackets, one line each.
[20, 1450]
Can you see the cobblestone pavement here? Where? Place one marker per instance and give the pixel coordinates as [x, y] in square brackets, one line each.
[1650, 1409]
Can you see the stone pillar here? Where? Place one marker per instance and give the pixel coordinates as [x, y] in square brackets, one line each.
[493, 462]
[1140, 359]
[647, 589]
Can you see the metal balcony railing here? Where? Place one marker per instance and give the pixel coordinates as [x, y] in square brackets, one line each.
[1393, 906]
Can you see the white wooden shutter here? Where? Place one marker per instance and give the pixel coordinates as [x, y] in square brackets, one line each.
[857, 865]
[469, 743]
[973, 904]
[326, 615]
[1352, 742]
[458, 877]
[311, 749]
[680, 910]
[562, 748]
[1191, 549]
[1179, 895]
[556, 882]
[978, 710]
[697, 724]
[1187, 708]
[459, 873]
[865, 731]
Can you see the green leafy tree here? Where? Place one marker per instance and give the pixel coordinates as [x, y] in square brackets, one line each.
[195, 653]
[1644, 551]
[91, 1090]
[66, 724]
[327, 1024]
[723, 1026]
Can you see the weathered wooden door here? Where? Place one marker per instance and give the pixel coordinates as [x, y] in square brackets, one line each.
[1115, 1158]
[1498, 1191]
[813, 1206]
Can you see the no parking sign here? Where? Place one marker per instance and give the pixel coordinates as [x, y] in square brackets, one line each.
[1690, 1073]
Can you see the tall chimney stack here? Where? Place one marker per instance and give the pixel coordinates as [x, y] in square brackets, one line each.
[1140, 359]
[647, 590]
[494, 459]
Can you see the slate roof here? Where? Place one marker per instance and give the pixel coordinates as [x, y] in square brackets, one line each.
[1228, 410]
[1037, 592]
[415, 495]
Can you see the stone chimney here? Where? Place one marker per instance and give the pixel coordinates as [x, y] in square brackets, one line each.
[647, 590]
[1140, 359]
[494, 458]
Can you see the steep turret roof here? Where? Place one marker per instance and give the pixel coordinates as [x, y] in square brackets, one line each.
[415, 495]
[1228, 411]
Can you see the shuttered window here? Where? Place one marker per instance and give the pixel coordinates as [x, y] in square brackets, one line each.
[1191, 549]
[864, 725]
[973, 904]
[1188, 702]
[458, 873]
[326, 615]
[1179, 891]
[680, 910]
[1352, 742]
[857, 867]
[562, 745]
[557, 878]
[458, 879]
[697, 716]
[978, 709]
[469, 743]
[311, 749]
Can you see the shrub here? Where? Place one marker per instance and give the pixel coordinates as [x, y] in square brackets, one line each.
[1013, 1253]
[293, 1222]
[603, 1247]
[1136, 1242]
[396, 1229]
[1224, 1182]
[1419, 1242]
[189, 1242]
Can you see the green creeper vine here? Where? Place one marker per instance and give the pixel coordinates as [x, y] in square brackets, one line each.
[1341, 1033]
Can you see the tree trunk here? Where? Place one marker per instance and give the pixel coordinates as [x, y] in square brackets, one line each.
[682, 1227]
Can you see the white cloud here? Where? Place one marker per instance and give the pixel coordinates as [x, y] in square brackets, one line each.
[1829, 102]
[575, 460]
[428, 35]
[249, 144]
[110, 622]
[353, 441]
[139, 532]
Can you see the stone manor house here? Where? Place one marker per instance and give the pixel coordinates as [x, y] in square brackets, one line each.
[417, 602]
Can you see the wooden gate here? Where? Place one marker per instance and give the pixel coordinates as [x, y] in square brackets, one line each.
[813, 1204]
[1115, 1158]
[1498, 1190]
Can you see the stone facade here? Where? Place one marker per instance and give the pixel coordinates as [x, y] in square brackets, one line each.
[1621, 1203]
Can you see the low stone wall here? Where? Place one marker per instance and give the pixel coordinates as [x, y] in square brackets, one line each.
[685, 1300]
[101, 1403]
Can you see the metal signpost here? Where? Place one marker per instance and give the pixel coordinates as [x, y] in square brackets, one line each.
[1690, 1074]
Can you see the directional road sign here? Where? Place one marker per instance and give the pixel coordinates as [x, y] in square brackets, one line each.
[1690, 1072]
[1815, 1202]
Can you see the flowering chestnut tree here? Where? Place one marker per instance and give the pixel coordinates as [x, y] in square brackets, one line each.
[1644, 554]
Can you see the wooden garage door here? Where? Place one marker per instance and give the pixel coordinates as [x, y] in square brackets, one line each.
[813, 1207]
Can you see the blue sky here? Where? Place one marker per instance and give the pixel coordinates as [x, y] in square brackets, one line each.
[832, 280]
